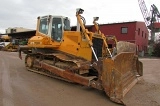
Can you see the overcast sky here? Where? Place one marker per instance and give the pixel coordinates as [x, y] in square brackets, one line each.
[24, 13]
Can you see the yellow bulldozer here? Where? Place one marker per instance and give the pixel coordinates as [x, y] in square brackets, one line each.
[9, 44]
[81, 56]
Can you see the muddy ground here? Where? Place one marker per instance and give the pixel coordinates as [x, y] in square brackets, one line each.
[19, 87]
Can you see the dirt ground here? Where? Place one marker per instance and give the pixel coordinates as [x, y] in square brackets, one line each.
[147, 90]
[19, 87]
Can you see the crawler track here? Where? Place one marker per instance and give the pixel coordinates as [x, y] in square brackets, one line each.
[61, 67]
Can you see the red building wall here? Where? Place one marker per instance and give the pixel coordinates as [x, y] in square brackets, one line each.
[136, 33]
[141, 36]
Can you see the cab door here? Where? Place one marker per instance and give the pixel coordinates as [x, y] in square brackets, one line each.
[57, 29]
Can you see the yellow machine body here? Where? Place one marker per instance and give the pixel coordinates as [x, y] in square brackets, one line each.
[72, 43]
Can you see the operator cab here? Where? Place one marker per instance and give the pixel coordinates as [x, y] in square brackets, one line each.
[54, 26]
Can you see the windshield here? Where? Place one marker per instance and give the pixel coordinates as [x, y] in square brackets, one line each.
[56, 29]
[43, 28]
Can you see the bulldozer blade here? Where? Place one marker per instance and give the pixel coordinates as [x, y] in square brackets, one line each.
[123, 46]
[119, 75]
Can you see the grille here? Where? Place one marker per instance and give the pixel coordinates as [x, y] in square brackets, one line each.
[97, 45]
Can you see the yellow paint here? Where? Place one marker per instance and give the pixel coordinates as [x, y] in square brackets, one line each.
[72, 43]
[5, 37]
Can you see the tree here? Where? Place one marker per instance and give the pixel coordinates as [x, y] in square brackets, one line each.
[156, 50]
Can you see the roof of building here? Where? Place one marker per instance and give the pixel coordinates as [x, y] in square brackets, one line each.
[124, 22]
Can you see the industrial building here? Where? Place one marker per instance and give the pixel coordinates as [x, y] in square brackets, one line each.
[17, 29]
[20, 33]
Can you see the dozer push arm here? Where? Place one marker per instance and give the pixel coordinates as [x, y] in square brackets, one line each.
[102, 35]
[85, 32]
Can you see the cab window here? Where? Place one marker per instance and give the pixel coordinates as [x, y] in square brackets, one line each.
[57, 29]
[43, 28]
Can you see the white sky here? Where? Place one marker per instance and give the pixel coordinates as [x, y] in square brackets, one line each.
[24, 13]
